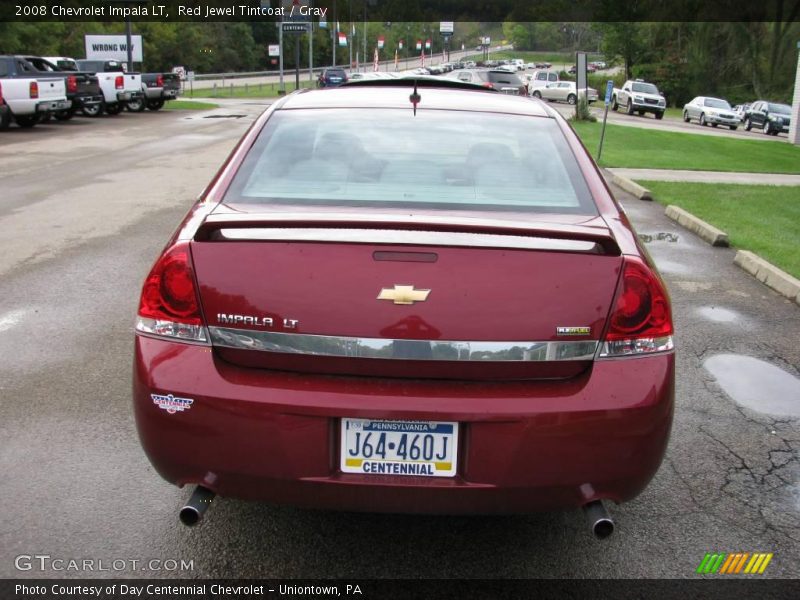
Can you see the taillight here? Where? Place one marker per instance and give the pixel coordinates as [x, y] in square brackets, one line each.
[641, 319]
[72, 84]
[488, 85]
[1, 93]
[159, 80]
[33, 89]
[119, 82]
[168, 306]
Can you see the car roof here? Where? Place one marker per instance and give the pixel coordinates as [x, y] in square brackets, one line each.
[365, 96]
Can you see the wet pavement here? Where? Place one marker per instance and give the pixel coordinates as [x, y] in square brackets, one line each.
[80, 234]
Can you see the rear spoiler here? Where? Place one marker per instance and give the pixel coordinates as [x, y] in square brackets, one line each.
[301, 226]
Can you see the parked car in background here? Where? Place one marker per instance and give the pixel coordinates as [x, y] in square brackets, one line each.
[710, 111]
[771, 117]
[119, 87]
[158, 88]
[83, 89]
[470, 325]
[543, 65]
[500, 80]
[564, 91]
[29, 94]
[540, 79]
[638, 96]
[741, 111]
[331, 77]
[5, 112]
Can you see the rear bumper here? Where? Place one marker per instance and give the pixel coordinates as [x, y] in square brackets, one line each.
[52, 105]
[89, 100]
[523, 446]
[128, 96]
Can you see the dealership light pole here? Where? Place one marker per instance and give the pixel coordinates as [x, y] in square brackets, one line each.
[128, 30]
[794, 126]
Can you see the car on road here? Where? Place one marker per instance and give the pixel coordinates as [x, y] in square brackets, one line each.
[638, 96]
[29, 94]
[331, 77]
[497, 79]
[83, 89]
[5, 112]
[540, 79]
[364, 311]
[710, 111]
[741, 111]
[771, 118]
[119, 86]
[564, 91]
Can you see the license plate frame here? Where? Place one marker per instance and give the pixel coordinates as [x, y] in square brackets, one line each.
[430, 448]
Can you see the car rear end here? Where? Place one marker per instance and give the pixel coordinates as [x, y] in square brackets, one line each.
[365, 313]
[505, 82]
[333, 78]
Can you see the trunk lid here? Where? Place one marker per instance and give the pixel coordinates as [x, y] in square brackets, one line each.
[349, 299]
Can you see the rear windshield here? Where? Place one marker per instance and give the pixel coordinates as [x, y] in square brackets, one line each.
[645, 88]
[390, 158]
[501, 77]
[335, 72]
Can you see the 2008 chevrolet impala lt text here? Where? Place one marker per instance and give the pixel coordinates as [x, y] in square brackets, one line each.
[363, 311]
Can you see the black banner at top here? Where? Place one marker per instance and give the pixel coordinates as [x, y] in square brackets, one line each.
[401, 10]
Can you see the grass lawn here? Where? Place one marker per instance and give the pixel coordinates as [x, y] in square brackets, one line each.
[262, 90]
[635, 147]
[764, 219]
[189, 105]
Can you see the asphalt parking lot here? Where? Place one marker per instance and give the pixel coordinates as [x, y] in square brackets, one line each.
[85, 208]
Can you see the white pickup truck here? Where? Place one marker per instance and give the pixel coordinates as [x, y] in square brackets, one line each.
[118, 87]
[638, 96]
[30, 97]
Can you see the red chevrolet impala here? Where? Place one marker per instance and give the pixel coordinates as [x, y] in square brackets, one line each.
[406, 300]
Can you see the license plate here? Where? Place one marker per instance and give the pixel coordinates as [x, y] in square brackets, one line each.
[421, 448]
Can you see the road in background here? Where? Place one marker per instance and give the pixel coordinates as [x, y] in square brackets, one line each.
[85, 209]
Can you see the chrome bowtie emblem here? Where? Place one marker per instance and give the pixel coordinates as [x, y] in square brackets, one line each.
[403, 294]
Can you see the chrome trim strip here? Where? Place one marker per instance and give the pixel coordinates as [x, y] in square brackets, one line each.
[398, 349]
[400, 236]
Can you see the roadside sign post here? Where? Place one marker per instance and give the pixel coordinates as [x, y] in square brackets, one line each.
[446, 29]
[607, 101]
[297, 24]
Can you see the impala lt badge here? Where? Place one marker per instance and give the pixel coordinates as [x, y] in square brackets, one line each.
[403, 294]
[229, 319]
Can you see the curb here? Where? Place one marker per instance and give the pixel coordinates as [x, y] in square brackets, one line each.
[769, 275]
[642, 193]
[709, 233]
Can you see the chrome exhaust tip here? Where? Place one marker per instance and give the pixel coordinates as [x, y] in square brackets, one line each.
[191, 514]
[600, 523]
